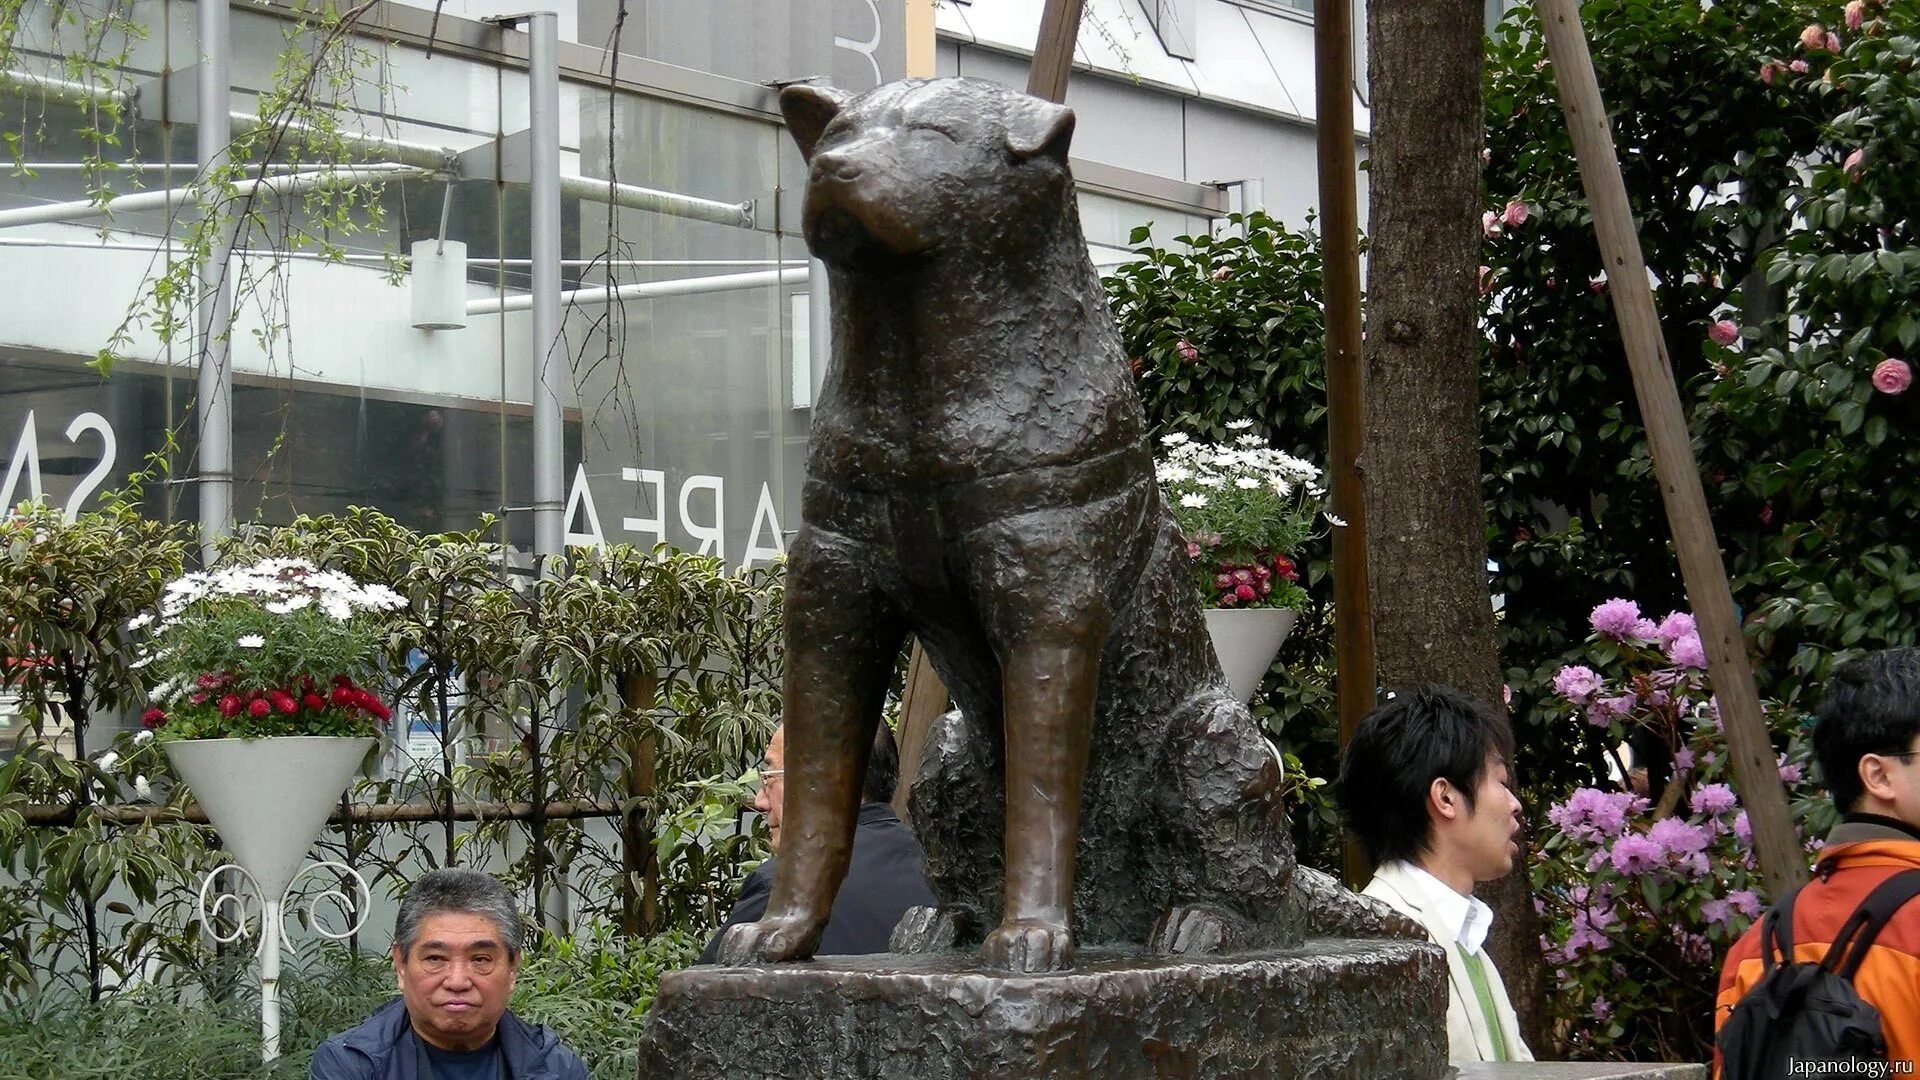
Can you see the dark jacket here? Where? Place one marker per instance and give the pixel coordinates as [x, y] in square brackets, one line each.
[887, 876]
[384, 1047]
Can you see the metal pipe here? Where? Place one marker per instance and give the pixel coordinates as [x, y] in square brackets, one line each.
[213, 134]
[549, 353]
[370, 257]
[418, 155]
[136, 202]
[587, 189]
[57, 89]
[646, 290]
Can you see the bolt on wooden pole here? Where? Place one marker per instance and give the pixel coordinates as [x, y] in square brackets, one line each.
[1346, 378]
[1782, 862]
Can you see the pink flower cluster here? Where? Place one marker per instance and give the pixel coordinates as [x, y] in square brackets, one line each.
[1594, 815]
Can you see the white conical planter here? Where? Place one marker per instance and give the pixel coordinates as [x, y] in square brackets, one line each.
[268, 797]
[1246, 641]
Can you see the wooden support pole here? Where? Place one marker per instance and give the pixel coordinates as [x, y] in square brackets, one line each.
[1782, 862]
[1346, 378]
[1053, 51]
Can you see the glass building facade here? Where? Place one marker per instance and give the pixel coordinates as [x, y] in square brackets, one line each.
[686, 411]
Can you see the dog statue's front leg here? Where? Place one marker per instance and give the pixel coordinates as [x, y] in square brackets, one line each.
[1048, 689]
[843, 635]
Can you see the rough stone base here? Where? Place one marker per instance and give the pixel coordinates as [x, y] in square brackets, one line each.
[1329, 1009]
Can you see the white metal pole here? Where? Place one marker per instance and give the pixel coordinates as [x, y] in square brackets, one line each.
[215, 401]
[647, 290]
[270, 915]
[550, 360]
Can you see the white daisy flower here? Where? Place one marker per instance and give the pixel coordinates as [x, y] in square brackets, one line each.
[1246, 483]
[251, 641]
[1239, 425]
[1174, 438]
[1193, 500]
[142, 737]
[140, 620]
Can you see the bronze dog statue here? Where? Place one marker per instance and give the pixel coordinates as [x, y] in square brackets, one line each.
[979, 475]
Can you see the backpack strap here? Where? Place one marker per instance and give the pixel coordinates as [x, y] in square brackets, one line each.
[1776, 932]
[1850, 945]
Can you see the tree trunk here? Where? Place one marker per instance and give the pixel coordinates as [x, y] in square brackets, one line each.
[1427, 550]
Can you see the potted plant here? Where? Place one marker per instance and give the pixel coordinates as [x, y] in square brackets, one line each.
[1245, 510]
[261, 706]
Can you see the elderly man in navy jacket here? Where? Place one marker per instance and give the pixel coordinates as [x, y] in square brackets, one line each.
[457, 946]
[886, 877]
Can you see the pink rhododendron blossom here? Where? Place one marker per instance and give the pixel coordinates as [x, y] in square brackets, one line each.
[1814, 37]
[1854, 161]
[1743, 830]
[1683, 760]
[1856, 13]
[1604, 710]
[1716, 912]
[1892, 376]
[1490, 223]
[1601, 1009]
[1515, 213]
[1592, 814]
[1790, 772]
[1833, 42]
[1187, 350]
[1634, 854]
[1713, 799]
[1678, 837]
[1576, 683]
[1688, 652]
[1676, 625]
[1643, 630]
[1745, 902]
[1617, 618]
[1766, 72]
[1724, 332]
[1798, 67]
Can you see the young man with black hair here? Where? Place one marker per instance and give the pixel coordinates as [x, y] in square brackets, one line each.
[886, 877]
[1423, 788]
[1866, 738]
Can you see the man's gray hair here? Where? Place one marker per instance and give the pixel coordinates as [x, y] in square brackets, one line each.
[467, 892]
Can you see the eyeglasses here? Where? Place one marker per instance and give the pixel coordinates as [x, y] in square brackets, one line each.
[767, 776]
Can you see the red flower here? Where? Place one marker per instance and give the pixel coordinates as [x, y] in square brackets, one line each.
[153, 718]
[1223, 581]
[283, 701]
[1766, 514]
[342, 680]
[230, 705]
[210, 682]
[198, 697]
[343, 696]
[1285, 568]
[1227, 599]
[379, 711]
[1245, 592]
[313, 701]
[258, 707]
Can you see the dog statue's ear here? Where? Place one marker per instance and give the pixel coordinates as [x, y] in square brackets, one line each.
[1036, 127]
[809, 109]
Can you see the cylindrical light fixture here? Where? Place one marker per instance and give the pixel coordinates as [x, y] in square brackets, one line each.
[438, 282]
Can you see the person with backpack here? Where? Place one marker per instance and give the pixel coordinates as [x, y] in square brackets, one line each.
[1832, 973]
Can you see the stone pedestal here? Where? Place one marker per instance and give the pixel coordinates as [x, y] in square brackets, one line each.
[1330, 1009]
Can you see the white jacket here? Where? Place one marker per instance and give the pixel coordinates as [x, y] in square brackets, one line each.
[1468, 1037]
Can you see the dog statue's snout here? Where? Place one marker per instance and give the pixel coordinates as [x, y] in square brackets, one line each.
[837, 166]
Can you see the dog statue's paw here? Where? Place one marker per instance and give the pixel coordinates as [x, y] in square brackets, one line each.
[770, 941]
[1030, 946]
[1198, 930]
[936, 929]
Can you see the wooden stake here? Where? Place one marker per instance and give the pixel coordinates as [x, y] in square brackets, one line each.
[1782, 862]
[1346, 378]
[1053, 52]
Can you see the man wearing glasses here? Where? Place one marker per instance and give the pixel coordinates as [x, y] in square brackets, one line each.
[1867, 740]
[886, 877]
